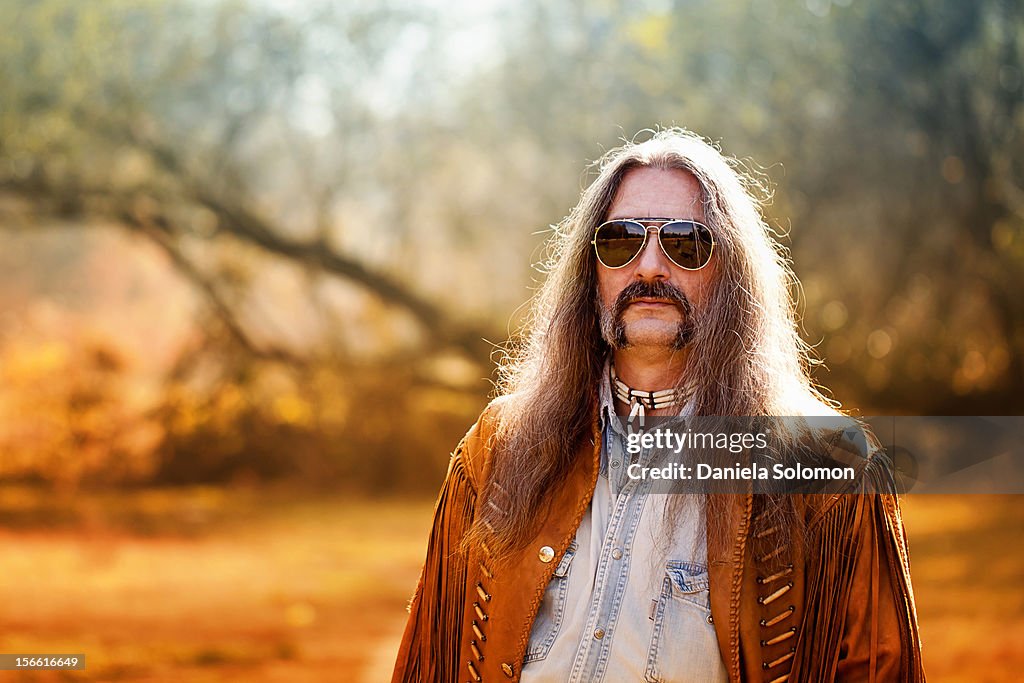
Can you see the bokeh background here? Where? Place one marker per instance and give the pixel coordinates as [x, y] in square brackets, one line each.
[257, 259]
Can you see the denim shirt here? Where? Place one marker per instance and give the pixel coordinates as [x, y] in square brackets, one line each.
[629, 601]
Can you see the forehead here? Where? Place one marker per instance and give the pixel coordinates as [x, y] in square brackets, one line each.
[657, 193]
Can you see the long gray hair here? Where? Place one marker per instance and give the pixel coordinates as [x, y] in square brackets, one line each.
[746, 357]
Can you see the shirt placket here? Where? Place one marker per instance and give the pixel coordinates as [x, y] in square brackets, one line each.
[627, 501]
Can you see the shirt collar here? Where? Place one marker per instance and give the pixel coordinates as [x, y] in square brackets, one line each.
[607, 401]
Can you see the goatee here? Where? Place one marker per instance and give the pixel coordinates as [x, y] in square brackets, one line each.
[613, 327]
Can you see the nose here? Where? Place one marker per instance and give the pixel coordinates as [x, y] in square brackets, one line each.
[651, 263]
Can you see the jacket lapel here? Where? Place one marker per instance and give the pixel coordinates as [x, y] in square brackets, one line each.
[516, 587]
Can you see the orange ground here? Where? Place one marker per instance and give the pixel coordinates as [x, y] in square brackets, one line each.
[206, 586]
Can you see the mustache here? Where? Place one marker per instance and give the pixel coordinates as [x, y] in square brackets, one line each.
[658, 289]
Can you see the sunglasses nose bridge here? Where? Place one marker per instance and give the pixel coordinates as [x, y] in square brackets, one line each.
[652, 242]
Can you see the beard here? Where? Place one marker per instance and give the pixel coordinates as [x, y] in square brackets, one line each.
[613, 326]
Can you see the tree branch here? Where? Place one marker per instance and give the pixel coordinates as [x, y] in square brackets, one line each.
[222, 309]
[246, 225]
[74, 200]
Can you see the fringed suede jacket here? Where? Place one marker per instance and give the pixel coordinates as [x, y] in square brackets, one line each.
[840, 606]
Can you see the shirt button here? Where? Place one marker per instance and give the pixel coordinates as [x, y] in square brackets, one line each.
[615, 463]
[599, 633]
[616, 554]
[546, 554]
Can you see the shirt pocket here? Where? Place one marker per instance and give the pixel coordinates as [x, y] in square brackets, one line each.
[552, 610]
[683, 642]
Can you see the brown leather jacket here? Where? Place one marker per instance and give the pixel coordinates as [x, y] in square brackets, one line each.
[841, 608]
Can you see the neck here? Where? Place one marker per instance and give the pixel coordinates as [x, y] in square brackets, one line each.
[650, 369]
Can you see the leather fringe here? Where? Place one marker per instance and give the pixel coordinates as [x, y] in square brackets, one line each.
[430, 645]
[864, 521]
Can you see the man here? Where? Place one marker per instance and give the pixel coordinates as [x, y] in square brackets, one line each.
[665, 295]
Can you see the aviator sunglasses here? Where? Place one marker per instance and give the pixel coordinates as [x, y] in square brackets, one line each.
[686, 243]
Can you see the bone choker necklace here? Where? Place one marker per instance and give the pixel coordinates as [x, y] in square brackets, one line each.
[640, 402]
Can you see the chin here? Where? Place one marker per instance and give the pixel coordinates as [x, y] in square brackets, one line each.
[651, 335]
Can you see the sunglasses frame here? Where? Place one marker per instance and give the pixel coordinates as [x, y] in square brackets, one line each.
[657, 229]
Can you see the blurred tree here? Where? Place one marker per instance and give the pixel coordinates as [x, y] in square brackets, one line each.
[273, 158]
[223, 133]
[359, 189]
[934, 108]
[69, 416]
[898, 129]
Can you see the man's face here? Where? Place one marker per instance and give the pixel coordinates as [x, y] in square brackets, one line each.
[657, 308]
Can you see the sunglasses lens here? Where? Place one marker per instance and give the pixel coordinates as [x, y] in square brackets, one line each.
[618, 242]
[687, 243]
